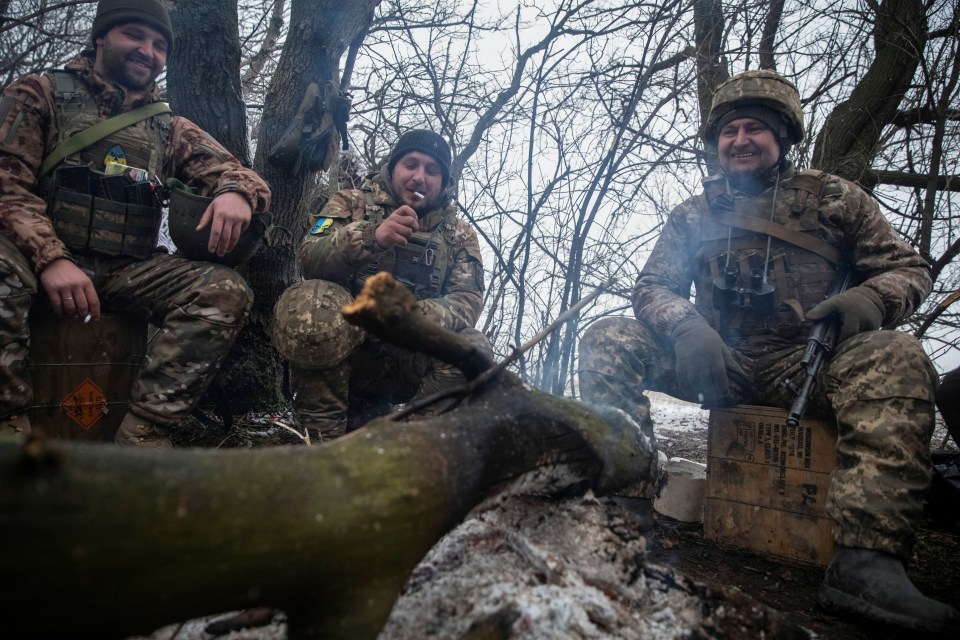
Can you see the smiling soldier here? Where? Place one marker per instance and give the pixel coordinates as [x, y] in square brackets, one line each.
[79, 150]
[763, 245]
[402, 220]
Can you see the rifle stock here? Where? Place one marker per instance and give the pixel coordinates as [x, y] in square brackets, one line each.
[820, 344]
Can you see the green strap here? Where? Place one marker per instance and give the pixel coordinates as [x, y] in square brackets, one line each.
[99, 131]
[770, 228]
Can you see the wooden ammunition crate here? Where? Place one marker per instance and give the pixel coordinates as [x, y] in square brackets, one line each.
[767, 483]
[81, 374]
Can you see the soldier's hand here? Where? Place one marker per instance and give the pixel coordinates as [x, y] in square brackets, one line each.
[702, 360]
[397, 228]
[858, 309]
[70, 290]
[228, 216]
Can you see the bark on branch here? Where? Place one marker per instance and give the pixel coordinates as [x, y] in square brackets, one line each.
[107, 542]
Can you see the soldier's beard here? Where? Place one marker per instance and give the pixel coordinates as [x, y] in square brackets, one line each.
[753, 181]
[115, 64]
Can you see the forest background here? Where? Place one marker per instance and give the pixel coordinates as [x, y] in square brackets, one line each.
[574, 124]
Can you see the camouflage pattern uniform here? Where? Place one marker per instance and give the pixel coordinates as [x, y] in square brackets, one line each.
[878, 385]
[200, 307]
[340, 249]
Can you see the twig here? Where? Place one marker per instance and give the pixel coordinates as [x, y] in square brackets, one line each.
[177, 631]
[550, 328]
[494, 371]
[229, 435]
[305, 436]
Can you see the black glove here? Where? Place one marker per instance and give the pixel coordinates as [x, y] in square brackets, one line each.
[702, 360]
[858, 309]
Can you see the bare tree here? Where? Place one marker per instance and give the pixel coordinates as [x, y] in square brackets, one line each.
[41, 34]
[575, 126]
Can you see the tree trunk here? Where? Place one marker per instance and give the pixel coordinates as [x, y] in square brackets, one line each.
[849, 140]
[203, 84]
[527, 566]
[137, 539]
[711, 63]
[320, 32]
[203, 73]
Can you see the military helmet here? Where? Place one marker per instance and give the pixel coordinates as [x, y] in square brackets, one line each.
[186, 209]
[758, 88]
[308, 328]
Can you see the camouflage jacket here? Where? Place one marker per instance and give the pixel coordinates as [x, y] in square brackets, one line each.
[340, 246]
[28, 134]
[693, 249]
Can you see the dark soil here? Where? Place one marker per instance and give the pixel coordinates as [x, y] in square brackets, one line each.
[791, 587]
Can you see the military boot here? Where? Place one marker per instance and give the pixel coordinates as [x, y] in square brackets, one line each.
[320, 400]
[135, 431]
[874, 585]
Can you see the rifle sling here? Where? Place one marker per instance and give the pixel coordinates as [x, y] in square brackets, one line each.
[770, 228]
[99, 131]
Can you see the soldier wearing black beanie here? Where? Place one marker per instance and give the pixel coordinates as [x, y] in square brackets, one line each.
[110, 13]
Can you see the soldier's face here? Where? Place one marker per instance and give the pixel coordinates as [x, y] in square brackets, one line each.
[131, 54]
[417, 173]
[747, 147]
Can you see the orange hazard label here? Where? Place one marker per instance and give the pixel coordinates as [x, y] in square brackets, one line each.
[86, 404]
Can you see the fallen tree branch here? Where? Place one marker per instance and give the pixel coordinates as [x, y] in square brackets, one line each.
[131, 540]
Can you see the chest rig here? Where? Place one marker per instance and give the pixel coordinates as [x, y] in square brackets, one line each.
[95, 213]
[761, 270]
[421, 264]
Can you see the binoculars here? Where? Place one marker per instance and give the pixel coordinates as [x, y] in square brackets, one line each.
[758, 297]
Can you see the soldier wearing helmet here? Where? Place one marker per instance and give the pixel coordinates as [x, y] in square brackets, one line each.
[402, 220]
[763, 244]
[80, 221]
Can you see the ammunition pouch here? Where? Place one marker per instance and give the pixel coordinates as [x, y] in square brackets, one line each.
[106, 215]
[419, 267]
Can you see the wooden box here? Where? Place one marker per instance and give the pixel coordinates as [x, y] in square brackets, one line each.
[81, 374]
[767, 483]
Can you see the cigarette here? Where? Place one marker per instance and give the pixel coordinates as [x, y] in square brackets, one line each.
[87, 319]
[419, 195]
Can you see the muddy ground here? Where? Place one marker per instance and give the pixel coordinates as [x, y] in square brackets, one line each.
[791, 588]
[681, 430]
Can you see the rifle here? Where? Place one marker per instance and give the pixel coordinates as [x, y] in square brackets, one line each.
[820, 344]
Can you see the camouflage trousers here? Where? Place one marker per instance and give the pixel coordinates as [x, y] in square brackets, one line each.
[878, 387]
[199, 307]
[375, 376]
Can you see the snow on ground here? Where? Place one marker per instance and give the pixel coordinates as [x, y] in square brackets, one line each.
[680, 427]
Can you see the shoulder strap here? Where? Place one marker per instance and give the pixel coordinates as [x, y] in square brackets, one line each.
[99, 131]
[770, 228]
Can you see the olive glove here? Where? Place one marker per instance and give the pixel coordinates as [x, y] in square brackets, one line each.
[702, 360]
[858, 309]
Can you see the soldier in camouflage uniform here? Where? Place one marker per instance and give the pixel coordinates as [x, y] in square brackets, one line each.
[762, 245]
[56, 253]
[402, 220]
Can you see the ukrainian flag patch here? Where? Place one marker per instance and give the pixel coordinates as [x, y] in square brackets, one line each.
[320, 225]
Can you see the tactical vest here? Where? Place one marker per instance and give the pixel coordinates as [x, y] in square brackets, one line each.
[93, 212]
[421, 264]
[731, 291]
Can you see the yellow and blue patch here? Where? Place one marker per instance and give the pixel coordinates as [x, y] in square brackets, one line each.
[320, 225]
[117, 155]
